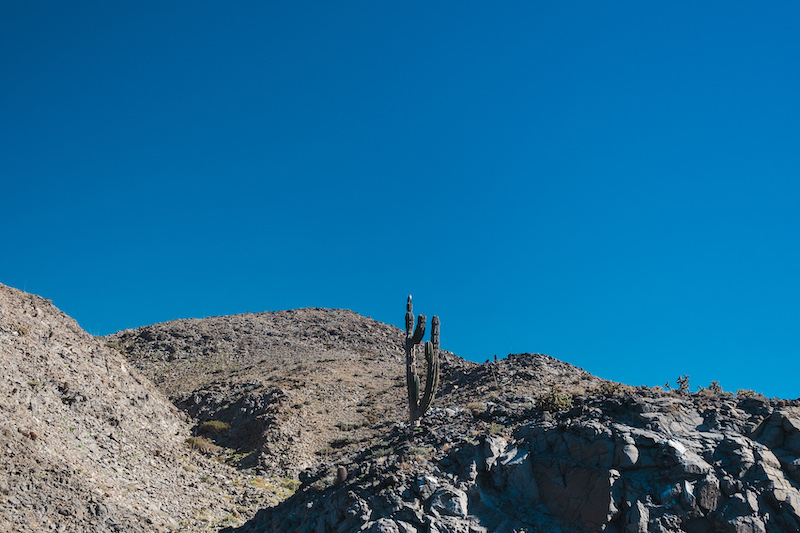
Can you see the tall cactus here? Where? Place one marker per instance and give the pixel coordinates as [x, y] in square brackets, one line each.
[417, 407]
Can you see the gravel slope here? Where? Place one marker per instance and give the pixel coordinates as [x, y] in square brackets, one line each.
[88, 444]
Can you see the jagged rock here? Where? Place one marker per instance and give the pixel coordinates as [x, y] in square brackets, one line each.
[493, 446]
[638, 518]
[708, 493]
[450, 501]
[383, 525]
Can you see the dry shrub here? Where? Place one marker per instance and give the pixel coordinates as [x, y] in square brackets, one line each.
[213, 427]
[203, 445]
[555, 401]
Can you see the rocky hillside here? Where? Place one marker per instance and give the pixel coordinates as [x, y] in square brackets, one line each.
[88, 444]
[295, 386]
[526, 443]
[622, 461]
[313, 402]
[306, 387]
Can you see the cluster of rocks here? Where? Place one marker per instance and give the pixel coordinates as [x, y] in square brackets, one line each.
[632, 463]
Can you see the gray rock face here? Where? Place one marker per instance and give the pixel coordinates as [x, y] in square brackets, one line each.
[602, 466]
[383, 525]
[450, 501]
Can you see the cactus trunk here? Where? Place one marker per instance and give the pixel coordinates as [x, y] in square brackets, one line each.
[416, 406]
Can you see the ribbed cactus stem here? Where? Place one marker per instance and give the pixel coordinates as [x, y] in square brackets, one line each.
[416, 406]
[409, 317]
[435, 331]
[432, 379]
[419, 332]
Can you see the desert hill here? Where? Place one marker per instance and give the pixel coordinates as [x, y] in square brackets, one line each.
[88, 444]
[305, 387]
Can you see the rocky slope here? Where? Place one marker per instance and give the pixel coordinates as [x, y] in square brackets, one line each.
[303, 387]
[88, 444]
[635, 461]
[526, 443]
[294, 386]
[313, 400]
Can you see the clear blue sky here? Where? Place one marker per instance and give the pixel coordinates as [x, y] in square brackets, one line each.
[615, 184]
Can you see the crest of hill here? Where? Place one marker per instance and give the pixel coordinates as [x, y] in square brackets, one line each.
[308, 386]
[296, 387]
[181, 356]
[88, 444]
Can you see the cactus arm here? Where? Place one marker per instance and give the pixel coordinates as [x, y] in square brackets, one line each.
[420, 331]
[432, 379]
[409, 318]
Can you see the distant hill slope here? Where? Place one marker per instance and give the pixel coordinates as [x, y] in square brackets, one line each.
[298, 387]
[88, 444]
[309, 386]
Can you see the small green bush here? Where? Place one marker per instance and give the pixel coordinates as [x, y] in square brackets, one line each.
[380, 452]
[610, 388]
[290, 484]
[213, 427]
[342, 442]
[343, 426]
[322, 484]
[555, 401]
[203, 445]
[476, 407]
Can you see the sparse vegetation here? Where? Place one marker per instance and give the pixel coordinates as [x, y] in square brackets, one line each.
[421, 451]
[322, 483]
[290, 484]
[342, 442]
[348, 427]
[380, 452]
[203, 445]
[555, 401]
[611, 388]
[213, 427]
[476, 407]
[683, 384]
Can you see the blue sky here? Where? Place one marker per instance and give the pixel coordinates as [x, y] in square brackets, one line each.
[614, 184]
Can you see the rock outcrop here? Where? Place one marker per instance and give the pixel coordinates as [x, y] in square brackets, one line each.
[632, 461]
